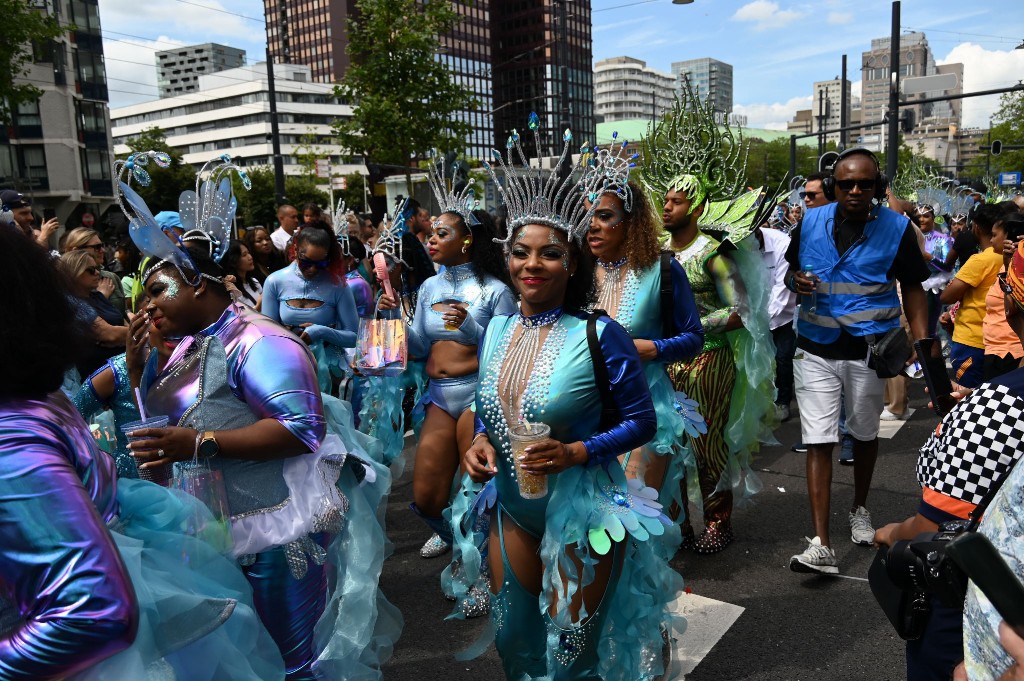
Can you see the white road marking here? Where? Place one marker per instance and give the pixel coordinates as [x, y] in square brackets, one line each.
[888, 429]
[707, 620]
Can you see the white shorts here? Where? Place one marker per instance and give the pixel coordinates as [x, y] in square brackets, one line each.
[821, 384]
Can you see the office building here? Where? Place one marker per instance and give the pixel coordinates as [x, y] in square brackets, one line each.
[827, 107]
[916, 60]
[528, 53]
[626, 88]
[708, 78]
[315, 33]
[231, 113]
[178, 70]
[56, 150]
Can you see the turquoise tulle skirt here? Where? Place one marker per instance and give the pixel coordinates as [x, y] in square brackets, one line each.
[359, 627]
[196, 618]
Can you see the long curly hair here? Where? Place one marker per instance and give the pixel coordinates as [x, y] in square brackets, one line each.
[38, 326]
[642, 246]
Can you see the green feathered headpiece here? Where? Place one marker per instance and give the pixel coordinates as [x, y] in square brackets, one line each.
[688, 151]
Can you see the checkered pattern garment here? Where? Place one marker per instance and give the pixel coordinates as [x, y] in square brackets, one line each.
[974, 445]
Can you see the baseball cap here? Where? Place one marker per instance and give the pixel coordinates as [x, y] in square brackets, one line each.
[168, 219]
[13, 199]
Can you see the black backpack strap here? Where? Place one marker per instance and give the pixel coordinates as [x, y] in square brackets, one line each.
[609, 412]
[668, 325]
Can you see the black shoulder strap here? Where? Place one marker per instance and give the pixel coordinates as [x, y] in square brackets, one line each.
[609, 412]
[668, 325]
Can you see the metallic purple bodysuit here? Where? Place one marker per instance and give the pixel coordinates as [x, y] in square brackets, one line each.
[254, 369]
[66, 601]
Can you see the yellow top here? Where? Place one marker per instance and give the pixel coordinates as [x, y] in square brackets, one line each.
[979, 272]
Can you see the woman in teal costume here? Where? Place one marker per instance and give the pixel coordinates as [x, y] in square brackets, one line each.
[571, 598]
[623, 239]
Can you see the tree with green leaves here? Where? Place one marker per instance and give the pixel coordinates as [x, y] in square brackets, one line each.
[405, 99]
[168, 183]
[258, 206]
[24, 28]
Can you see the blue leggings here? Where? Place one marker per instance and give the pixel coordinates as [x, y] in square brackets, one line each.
[530, 644]
[452, 395]
[289, 607]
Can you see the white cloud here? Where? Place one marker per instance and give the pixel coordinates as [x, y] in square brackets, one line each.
[620, 24]
[765, 15]
[984, 70]
[642, 38]
[840, 18]
[773, 116]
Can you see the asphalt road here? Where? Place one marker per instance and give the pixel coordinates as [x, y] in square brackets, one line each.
[795, 627]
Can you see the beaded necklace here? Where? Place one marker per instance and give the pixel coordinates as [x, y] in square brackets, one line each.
[617, 291]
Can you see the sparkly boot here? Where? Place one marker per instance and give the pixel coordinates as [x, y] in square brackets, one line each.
[716, 536]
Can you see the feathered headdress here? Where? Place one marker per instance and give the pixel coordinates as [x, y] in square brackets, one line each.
[557, 200]
[463, 202]
[208, 211]
[611, 168]
[688, 151]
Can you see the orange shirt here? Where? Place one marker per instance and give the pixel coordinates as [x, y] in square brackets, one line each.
[1000, 340]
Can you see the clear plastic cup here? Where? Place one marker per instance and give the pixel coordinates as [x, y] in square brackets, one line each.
[531, 486]
[161, 475]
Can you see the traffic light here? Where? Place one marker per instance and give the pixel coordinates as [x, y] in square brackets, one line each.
[907, 120]
[997, 147]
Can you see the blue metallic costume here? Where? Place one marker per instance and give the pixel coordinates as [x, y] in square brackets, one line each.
[633, 298]
[287, 515]
[332, 326]
[484, 297]
[586, 514]
[98, 577]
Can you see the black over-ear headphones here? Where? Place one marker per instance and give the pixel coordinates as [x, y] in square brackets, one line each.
[828, 185]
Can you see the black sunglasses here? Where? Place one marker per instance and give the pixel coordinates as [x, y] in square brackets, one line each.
[91, 270]
[95, 247]
[809, 195]
[305, 264]
[863, 185]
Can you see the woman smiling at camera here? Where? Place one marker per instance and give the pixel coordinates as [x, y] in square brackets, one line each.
[565, 581]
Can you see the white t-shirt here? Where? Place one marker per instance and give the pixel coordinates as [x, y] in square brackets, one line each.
[782, 303]
[280, 239]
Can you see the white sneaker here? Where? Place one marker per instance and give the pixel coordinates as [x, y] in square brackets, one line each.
[889, 416]
[815, 558]
[861, 531]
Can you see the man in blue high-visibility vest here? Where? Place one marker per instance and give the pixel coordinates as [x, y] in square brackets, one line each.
[845, 260]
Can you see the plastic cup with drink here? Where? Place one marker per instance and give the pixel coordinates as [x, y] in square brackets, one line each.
[161, 475]
[521, 436]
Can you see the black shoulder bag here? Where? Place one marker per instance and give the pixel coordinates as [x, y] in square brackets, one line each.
[668, 323]
[609, 412]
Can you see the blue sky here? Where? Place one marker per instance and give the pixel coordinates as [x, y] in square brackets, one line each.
[778, 48]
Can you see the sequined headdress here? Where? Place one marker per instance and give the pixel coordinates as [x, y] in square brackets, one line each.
[557, 200]
[209, 211]
[341, 225]
[611, 166]
[688, 151]
[389, 241]
[463, 203]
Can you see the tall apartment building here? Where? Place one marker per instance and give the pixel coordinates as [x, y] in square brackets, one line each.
[315, 33]
[56, 150]
[708, 78]
[826, 107]
[916, 59]
[178, 70]
[626, 88]
[519, 63]
[528, 54]
[230, 112]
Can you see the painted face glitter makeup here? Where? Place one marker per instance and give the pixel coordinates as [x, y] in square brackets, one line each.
[171, 286]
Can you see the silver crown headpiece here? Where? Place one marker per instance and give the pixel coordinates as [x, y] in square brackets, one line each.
[533, 199]
[211, 207]
[389, 241]
[206, 213]
[462, 203]
[341, 225]
[613, 167]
